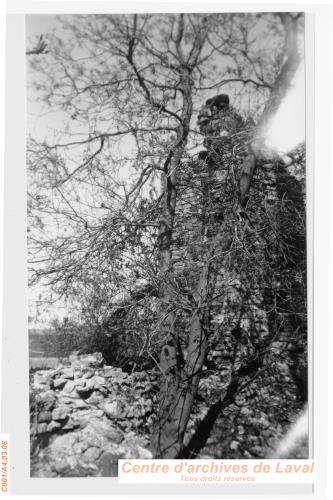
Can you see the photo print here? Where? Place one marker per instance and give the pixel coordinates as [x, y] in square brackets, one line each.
[167, 239]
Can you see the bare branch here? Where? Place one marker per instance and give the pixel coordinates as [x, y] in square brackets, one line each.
[41, 48]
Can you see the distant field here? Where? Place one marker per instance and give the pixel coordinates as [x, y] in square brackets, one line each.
[43, 363]
[35, 347]
[38, 359]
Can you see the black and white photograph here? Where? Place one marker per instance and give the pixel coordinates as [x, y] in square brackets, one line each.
[167, 239]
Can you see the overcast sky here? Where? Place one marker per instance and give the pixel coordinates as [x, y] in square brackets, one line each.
[40, 24]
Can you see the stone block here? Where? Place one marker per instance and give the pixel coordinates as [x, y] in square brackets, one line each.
[80, 383]
[61, 466]
[108, 465]
[59, 383]
[115, 409]
[68, 373]
[41, 428]
[70, 425]
[69, 387]
[53, 426]
[92, 454]
[95, 398]
[79, 403]
[44, 416]
[47, 400]
[61, 413]
[92, 360]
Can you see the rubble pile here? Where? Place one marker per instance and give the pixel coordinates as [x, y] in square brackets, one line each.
[86, 415]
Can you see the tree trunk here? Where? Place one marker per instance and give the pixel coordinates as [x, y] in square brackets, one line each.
[178, 391]
[179, 382]
[168, 425]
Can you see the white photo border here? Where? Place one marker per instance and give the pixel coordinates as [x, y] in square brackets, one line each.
[15, 366]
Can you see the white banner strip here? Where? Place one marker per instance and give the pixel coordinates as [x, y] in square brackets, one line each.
[216, 471]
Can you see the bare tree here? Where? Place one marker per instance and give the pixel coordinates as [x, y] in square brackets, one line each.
[128, 90]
